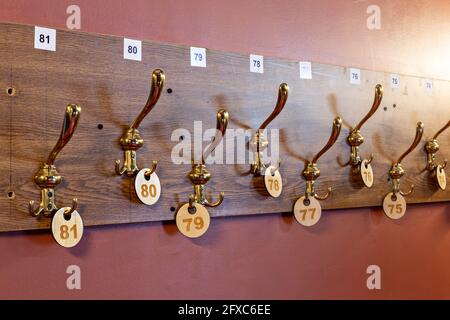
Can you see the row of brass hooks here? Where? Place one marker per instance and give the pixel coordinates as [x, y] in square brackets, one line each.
[47, 178]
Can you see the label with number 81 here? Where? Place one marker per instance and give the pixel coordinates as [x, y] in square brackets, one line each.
[147, 190]
[193, 224]
[394, 206]
[67, 232]
[307, 212]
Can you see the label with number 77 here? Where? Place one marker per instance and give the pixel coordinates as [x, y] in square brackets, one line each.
[307, 212]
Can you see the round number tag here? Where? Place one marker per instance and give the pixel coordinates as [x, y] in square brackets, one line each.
[367, 173]
[147, 190]
[193, 224]
[273, 182]
[67, 232]
[307, 212]
[441, 178]
[394, 206]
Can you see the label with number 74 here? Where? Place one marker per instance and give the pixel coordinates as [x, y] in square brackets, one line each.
[148, 189]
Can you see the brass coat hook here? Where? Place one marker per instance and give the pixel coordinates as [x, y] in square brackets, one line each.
[436, 170]
[47, 178]
[131, 140]
[258, 143]
[146, 183]
[355, 139]
[307, 209]
[394, 205]
[193, 218]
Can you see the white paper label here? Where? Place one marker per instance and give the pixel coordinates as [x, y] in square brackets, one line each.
[198, 57]
[256, 63]
[305, 70]
[355, 76]
[132, 49]
[44, 39]
[428, 85]
[394, 80]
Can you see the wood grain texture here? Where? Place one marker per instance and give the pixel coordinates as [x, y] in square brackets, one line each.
[90, 70]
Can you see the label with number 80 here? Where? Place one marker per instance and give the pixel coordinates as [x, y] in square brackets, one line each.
[148, 190]
[67, 232]
[193, 224]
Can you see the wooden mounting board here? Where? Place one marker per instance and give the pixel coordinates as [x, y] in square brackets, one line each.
[89, 69]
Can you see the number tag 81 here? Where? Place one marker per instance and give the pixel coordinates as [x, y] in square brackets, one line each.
[67, 233]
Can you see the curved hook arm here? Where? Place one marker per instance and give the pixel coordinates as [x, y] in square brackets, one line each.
[376, 103]
[158, 79]
[405, 194]
[337, 124]
[222, 123]
[442, 130]
[325, 196]
[419, 133]
[69, 212]
[217, 203]
[70, 122]
[283, 91]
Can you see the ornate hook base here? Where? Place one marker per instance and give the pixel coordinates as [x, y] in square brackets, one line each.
[396, 188]
[47, 206]
[258, 144]
[130, 142]
[199, 176]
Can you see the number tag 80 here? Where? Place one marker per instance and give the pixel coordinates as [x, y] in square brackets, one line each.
[147, 190]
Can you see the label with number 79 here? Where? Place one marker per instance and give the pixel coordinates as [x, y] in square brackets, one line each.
[148, 189]
[67, 233]
[194, 223]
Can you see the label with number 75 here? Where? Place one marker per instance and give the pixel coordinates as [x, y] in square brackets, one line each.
[394, 206]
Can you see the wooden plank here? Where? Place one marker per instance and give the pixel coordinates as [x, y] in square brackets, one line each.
[90, 70]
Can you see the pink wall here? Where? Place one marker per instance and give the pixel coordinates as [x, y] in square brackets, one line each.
[268, 256]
